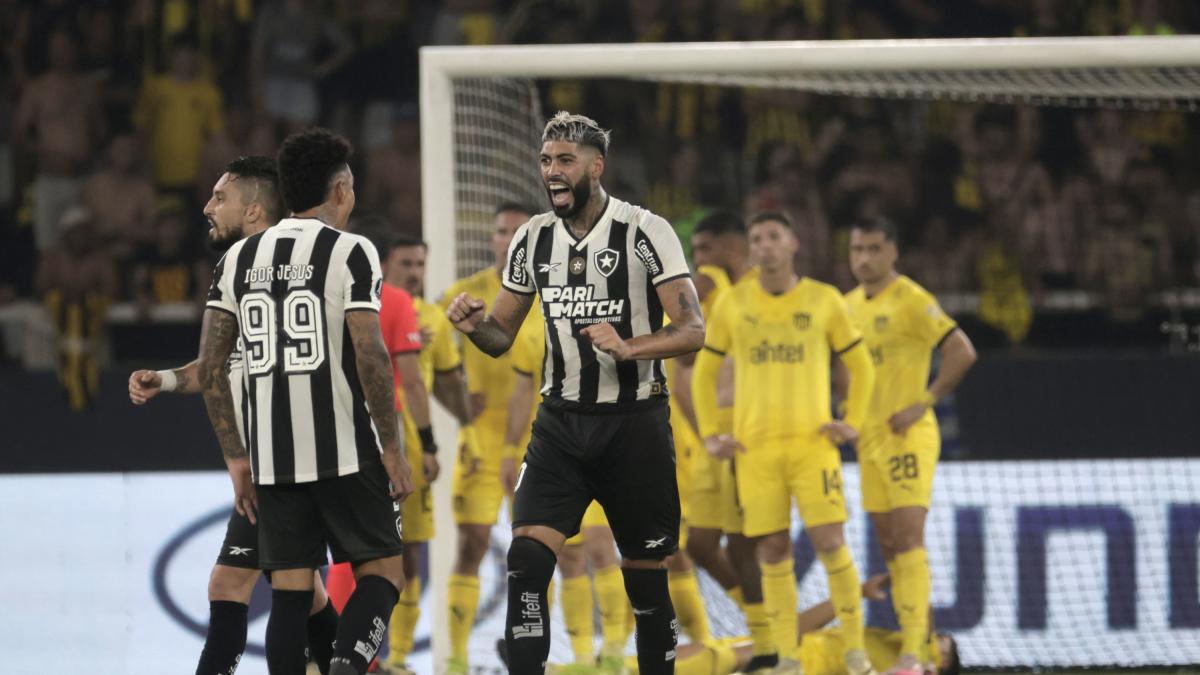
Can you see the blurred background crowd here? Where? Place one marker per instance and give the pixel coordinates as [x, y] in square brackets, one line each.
[116, 117]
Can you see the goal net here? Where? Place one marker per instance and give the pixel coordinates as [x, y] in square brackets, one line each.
[1064, 563]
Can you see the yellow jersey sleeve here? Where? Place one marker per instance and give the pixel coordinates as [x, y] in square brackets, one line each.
[718, 335]
[524, 360]
[444, 354]
[930, 324]
[840, 328]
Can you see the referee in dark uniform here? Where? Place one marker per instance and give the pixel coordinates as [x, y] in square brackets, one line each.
[605, 272]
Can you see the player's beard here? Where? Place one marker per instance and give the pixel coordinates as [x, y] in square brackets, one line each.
[581, 193]
[220, 243]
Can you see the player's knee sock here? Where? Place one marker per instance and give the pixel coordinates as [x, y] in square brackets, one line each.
[846, 594]
[779, 597]
[735, 594]
[912, 609]
[689, 606]
[527, 626]
[226, 638]
[657, 629]
[716, 657]
[578, 606]
[286, 634]
[760, 629]
[610, 596]
[404, 622]
[363, 625]
[464, 601]
[322, 631]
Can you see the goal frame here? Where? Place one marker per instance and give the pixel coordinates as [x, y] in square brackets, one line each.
[440, 66]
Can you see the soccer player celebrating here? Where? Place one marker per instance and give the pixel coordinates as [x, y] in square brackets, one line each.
[322, 439]
[781, 331]
[245, 201]
[898, 448]
[441, 369]
[477, 489]
[605, 271]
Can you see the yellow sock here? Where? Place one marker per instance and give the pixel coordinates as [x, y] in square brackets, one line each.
[912, 605]
[760, 628]
[577, 607]
[716, 657]
[464, 601]
[779, 597]
[610, 595]
[846, 595]
[735, 594]
[404, 622]
[689, 605]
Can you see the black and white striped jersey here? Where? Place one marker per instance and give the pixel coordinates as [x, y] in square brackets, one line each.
[303, 413]
[610, 275]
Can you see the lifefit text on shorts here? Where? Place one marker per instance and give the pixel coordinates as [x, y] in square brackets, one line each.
[368, 650]
[532, 615]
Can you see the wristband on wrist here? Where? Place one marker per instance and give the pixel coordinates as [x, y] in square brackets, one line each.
[510, 451]
[428, 445]
[169, 381]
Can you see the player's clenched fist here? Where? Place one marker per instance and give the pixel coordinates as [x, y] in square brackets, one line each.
[605, 338]
[144, 385]
[466, 313]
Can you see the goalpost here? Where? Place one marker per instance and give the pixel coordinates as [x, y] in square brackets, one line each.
[481, 121]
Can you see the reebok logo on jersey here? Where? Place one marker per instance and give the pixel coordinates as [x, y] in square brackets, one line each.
[579, 303]
[606, 261]
[239, 550]
[655, 543]
[549, 267]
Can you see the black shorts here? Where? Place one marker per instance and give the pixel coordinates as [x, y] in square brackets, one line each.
[353, 515]
[625, 461]
[240, 548]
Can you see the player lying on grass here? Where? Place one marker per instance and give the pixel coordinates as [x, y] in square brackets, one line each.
[820, 652]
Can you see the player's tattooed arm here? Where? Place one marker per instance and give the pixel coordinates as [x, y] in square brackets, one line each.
[685, 333]
[218, 337]
[494, 333]
[375, 374]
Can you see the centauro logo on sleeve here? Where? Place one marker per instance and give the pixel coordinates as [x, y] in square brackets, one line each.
[516, 269]
[579, 304]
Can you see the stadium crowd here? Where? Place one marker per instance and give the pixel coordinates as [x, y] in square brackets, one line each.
[117, 116]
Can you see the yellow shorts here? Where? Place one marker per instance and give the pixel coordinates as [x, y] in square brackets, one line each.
[477, 497]
[593, 517]
[712, 498]
[897, 471]
[416, 512]
[770, 476]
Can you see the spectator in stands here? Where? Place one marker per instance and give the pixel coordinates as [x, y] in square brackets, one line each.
[57, 124]
[121, 199]
[392, 185]
[289, 38]
[169, 270]
[77, 281]
[785, 185]
[180, 111]
[105, 62]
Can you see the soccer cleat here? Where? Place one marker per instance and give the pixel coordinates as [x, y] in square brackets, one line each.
[857, 663]
[456, 666]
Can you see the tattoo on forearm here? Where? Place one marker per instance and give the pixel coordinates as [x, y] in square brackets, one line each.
[183, 380]
[216, 342]
[375, 373]
[490, 337]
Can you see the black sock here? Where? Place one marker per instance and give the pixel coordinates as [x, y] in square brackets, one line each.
[657, 628]
[527, 626]
[286, 636]
[322, 629]
[226, 639]
[363, 625]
